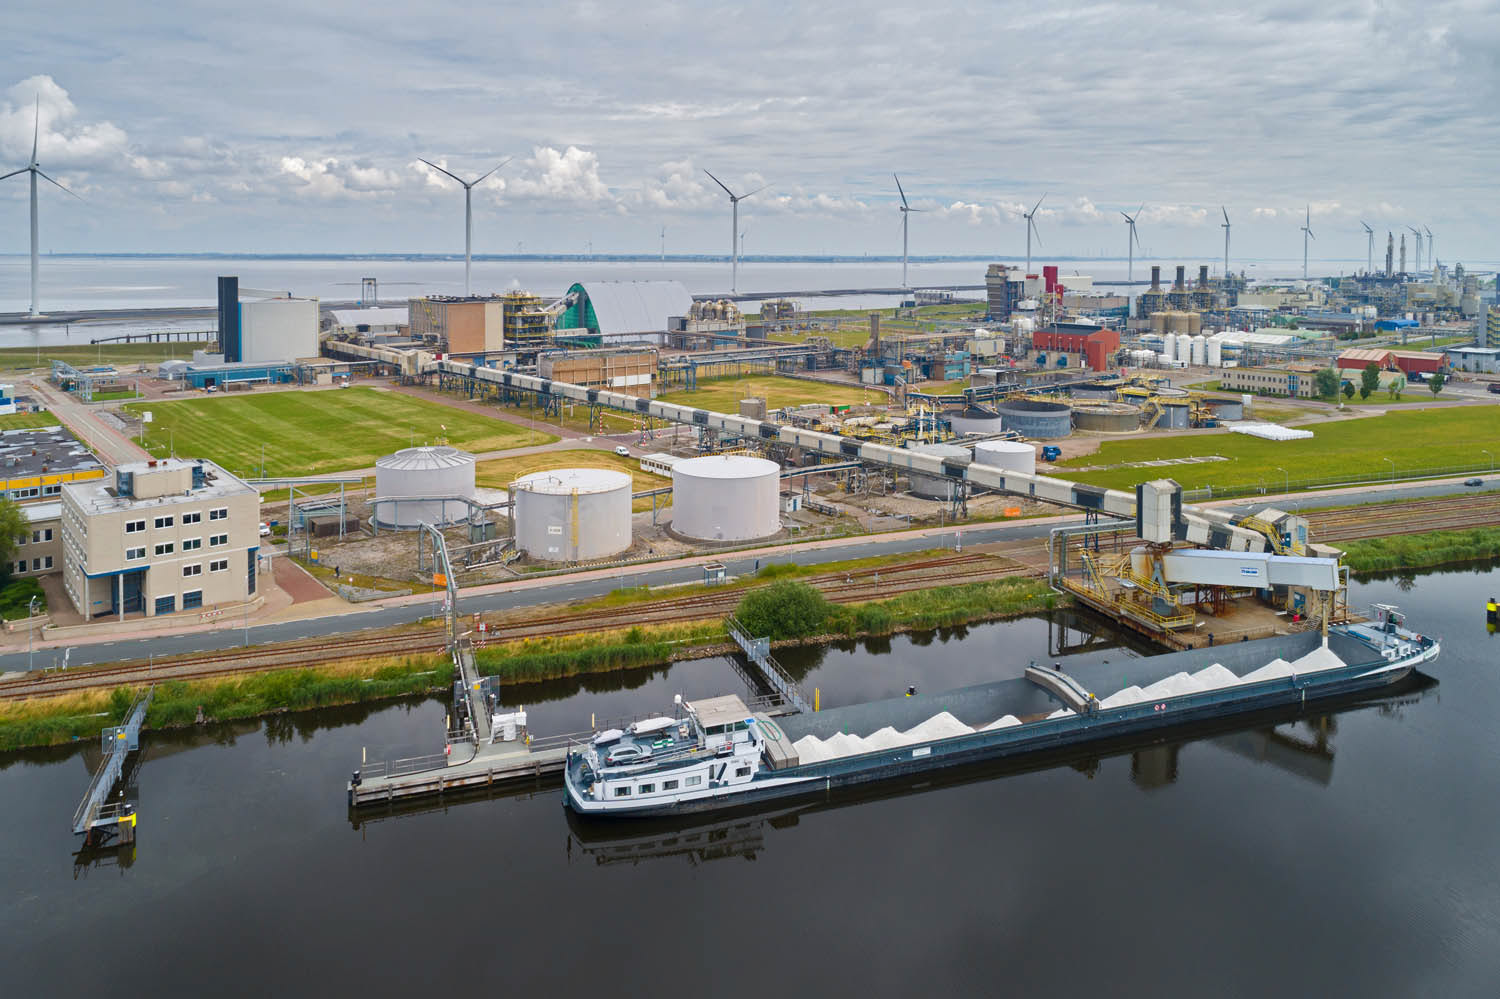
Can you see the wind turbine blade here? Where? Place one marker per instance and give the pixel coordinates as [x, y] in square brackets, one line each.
[497, 166]
[756, 191]
[1140, 209]
[1039, 202]
[1136, 236]
[1226, 214]
[1311, 236]
[14, 172]
[441, 170]
[55, 183]
[721, 184]
[1034, 230]
[1127, 218]
[903, 193]
[36, 128]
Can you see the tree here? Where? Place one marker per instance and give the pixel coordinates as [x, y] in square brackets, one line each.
[787, 609]
[1369, 380]
[1348, 390]
[1327, 383]
[1394, 388]
[14, 526]
[1435, 382]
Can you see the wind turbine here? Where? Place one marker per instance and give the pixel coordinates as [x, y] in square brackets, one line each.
[906, 211]
[35, 172]
[1418, 233]
[1131, 242]
[1307, 234]
[1431, 253]
[1370, 249]
[1030, 218]
[1225, 227]
[468, 186]
[734, 232]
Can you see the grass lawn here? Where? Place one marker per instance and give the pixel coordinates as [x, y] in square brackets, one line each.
[1414, 440]
[19, 358]
[497, 473]
[25, 421]
[116, 394]
[313, 433]
[723, 395]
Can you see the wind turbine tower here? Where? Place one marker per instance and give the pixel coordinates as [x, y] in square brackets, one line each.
[1370, 248]
[1418, 234]
[906, 211]
[1030, 218]
[468, 186]
[1307, 234]
[734, 231]
[1225, 213]
[1431, 253]
[1132, 240]
[35, 172]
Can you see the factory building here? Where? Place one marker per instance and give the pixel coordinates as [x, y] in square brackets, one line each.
[630, 369]
[473, 325]
[1408, 362]
[268, 327]
[350, 323]
[1094, 344]
[624, 311]
[1489, 330]
[1004, 287]
[1299, 382]
[35, 464]
[1480, 360]
[162, 536]
[526, 319]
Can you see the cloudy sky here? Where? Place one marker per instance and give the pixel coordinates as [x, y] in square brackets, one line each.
[296, 127]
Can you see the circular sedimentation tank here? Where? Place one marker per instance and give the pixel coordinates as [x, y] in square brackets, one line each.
[975, 420]
[726, 497]
[935, 486]
[572, 514]
[1013, 456]
[1037, 419]
[426, 475]
[1109, 418]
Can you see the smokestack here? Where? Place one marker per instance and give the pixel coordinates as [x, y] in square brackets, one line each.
[1181, 284]
[874, 344]
[1156, 277]
[1203, 275]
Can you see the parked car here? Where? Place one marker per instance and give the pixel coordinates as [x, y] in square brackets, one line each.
[622, 450]
[626, 754]
[265, 529]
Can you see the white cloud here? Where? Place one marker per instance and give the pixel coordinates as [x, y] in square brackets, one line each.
[330, 178]
[569, 175]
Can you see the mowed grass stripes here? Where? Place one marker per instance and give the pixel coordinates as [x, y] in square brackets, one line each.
[314, 433]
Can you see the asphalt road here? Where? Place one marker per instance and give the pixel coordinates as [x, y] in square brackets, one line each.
[565, 589]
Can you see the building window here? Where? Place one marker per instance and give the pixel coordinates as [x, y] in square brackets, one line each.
[20, 566]
[221, 513]
[196, 569]
[21, 540]
[162, 522]
[192, 600]
[52, 490]
[742, 772]
[166, 605]
[622, 792]
[134, 554]
[47, 562]
[218, 565]
[134, 526]
[694, 781]
[669, 785]
[36, 537]
[217, 540]
[191, 544]
[195, 517]
[36, 565]
[648, 789]
[165, 548]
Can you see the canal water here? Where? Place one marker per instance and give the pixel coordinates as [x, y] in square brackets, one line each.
[1354, 852]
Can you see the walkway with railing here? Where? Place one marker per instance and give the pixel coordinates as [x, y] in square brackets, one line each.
[117, 742]
[758, 651]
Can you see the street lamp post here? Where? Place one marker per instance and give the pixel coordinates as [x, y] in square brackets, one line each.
[1393, 468]
[30, 630]
[1286, 478]
[1492, 457]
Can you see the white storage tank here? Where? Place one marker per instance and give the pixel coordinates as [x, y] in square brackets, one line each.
[1199, 351]
[417, 480]
[1169, 346]
[1013, 456]
[1166, 359]
[1215, 354]
[726, 497]
[935, 486]
[572, 514]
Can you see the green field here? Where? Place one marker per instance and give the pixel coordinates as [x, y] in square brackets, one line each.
[1357, 448]
[723, 395]
[121, 354]
[314, 433]
[24, 421]
[497, 473]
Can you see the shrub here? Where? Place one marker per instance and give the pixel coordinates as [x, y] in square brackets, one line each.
[783, 610]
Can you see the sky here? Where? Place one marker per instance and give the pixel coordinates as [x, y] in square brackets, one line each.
[298, 128]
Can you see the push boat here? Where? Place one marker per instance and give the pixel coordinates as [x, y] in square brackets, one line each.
[716, 753]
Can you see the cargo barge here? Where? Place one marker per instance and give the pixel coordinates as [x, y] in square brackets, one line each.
[716, 754]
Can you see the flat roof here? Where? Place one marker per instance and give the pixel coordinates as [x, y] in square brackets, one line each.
[99, 495]
[727, 709]
[36, 512]
[27, 452]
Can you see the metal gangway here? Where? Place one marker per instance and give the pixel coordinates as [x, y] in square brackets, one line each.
[758, 651]
[95, 813]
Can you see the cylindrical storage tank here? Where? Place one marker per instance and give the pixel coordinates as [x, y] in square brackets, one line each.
[427, 475]
[976, 420]
[1199, 351]
[1013, 456]
[935, 486]
[1109, 418]
[1169, 346]
[1194, 322]
[572, 514]
[1158, 322]
[1174, 416]
[1215, 354]
[1165, 359]
[1177, 322]
[1023, 325]
[1040, 420]
[1227, 409]
[726, 497]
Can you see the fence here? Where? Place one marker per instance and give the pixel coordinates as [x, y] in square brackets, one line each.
[1287, 485]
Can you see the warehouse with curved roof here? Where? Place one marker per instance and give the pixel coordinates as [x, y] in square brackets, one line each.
[624, 310]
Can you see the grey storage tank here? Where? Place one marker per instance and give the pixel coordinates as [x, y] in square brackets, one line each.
[726, 497]
[976, 420]
[1110, 418]
[418, 482]
[572, 514]
[935, 486]
[1037, 419]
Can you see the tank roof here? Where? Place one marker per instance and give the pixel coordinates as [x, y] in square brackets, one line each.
[427, 457]
[563, 481]
[726, 466]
